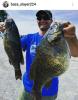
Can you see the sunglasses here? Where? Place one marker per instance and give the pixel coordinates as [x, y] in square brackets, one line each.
[44, 18]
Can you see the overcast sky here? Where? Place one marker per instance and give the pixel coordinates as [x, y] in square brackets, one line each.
[26, 19]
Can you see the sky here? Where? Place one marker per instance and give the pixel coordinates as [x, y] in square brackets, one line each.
[26, 19]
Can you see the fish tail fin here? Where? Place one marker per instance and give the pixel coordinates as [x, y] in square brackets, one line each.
[18, 74]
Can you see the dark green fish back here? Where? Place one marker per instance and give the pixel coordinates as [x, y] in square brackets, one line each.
[12, 45]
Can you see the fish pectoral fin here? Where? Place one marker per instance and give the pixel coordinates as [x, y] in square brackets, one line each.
[33, 70]
[32, 74]
[48, 84]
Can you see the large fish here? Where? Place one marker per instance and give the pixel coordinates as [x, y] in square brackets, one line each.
[51, 60]
[12, 46]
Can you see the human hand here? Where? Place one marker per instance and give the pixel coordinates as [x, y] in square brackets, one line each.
[70, 36]
[2, 26]
[69, 30]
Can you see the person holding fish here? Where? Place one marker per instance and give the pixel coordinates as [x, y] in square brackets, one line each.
[30, 42]
[11, 41]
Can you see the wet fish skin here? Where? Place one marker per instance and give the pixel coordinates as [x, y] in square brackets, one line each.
[52, 59]
[12, 46]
